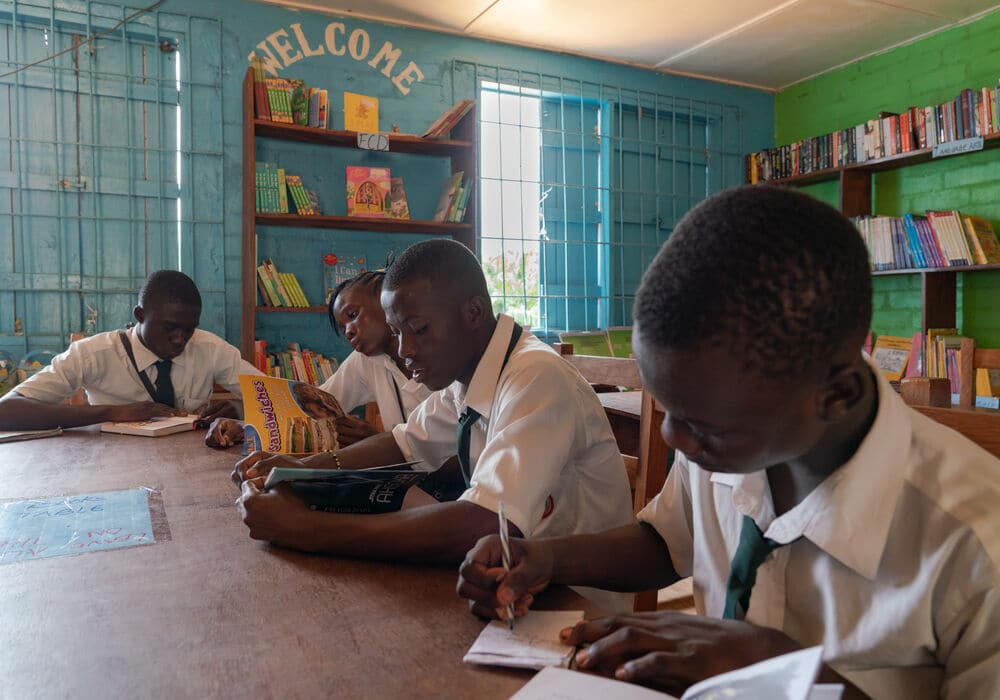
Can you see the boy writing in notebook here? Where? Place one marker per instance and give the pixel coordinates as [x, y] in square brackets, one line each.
[533, 432]
[162, 366]
[808, 502]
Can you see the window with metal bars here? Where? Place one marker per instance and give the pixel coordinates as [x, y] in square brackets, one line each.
[580, 185]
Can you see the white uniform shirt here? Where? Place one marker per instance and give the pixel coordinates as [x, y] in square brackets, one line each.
[893, 561]
[100, 366]
[361, 379]
[543, 445]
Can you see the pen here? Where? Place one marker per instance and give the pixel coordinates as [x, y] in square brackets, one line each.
[505, 549]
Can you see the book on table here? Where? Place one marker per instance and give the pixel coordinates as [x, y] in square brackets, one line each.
[154, 427]
[374, 490]
[19, 435]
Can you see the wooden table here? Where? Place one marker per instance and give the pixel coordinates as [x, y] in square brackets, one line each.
[212, 613]
[623, 409]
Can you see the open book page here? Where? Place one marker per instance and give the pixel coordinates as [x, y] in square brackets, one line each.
[533, 643]
[286, 416]
[787, 677]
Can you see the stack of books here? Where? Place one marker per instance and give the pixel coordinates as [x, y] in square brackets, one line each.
[279, 288]
[294, 363]
[941, 239]
[270, 188]
[454, 198]
[288, 101]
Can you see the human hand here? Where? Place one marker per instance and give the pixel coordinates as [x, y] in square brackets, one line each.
[672, 650]
[224, 432]
[490, 588]
[257, 465]
[276, 516]
[141, 410]
[214, 410]
[351, 430]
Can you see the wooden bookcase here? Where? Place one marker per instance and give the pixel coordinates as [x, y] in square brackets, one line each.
[938, 285]
[461, 150]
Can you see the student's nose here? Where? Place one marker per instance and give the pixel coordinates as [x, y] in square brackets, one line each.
[405, 347]
[679, 435]
[350, 330]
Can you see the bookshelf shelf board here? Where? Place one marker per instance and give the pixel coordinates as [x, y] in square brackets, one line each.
[954, 268]
[900, 160]
[398, 143]
[358, 223]
[293, 309]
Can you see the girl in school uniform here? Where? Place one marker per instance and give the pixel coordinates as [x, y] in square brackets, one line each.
[373, 372]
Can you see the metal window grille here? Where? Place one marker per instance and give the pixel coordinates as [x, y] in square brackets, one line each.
[110, 165]
[580, 183]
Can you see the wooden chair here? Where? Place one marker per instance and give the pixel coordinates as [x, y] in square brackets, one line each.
[648, 469]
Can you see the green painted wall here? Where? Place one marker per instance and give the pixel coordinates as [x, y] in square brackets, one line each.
[929, 71]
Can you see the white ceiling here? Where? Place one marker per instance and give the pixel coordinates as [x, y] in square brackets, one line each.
[762, 43]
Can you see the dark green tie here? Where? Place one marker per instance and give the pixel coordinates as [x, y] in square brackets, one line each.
[164, 387]
[750, 554]
[463, 435]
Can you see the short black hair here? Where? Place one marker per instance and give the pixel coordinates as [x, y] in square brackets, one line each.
[444, 263]
[369, 278]
[771, 273]
[169, 286]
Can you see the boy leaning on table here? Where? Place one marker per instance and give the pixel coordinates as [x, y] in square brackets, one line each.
[535, 437]
[875, 529]
[162, 366]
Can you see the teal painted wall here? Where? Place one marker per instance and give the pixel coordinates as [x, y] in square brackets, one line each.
[930, 71]
[246, 24]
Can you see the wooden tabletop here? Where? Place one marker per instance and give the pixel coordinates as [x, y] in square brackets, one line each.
[622, 403]
[210, 612]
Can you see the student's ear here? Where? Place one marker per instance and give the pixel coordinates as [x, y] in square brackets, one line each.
[138, 313]
[843, 389]
[474, 311]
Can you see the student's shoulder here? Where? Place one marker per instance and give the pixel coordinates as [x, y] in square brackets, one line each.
[203, 340]
[539, 363]
[97, 343]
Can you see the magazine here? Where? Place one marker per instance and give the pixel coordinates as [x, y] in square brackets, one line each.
[289, 417]
[375, 490]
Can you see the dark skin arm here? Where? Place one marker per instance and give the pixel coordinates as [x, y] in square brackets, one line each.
[438, 534]
[21, 413]
[378, 450]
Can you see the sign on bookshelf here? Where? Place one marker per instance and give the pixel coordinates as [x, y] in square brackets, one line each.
[950, 148]
[373, 142]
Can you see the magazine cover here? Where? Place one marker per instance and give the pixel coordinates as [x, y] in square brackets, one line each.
[285, 416]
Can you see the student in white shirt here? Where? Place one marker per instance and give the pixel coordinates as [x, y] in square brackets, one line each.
[372, 372]
[879, 526]
[543, 443]
[161, 366]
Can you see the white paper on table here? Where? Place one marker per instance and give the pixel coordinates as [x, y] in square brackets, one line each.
[533, 643]
[826, 691]
[562, 684]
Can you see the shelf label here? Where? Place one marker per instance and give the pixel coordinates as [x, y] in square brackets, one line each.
[950, 148]
[380, 142]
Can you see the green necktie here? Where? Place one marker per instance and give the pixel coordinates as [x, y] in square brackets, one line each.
[463, 435]
[750, 554]
[164, 387]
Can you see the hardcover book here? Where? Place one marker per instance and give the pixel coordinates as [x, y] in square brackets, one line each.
[368, 191]
[376, 490]
[154, 427]
[360, 113]
[285, 416]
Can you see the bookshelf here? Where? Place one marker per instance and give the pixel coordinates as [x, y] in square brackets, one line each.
[938, 285]
[460, 150]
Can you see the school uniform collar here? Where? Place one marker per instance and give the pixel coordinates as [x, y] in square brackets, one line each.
[848, 516]
[146, 358]
[482, 387]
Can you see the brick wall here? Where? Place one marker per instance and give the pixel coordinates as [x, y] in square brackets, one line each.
[929, 71]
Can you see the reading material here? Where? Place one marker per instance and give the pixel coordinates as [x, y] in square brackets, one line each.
[285, 416]
[891, 354]
[368, 191]
[360, 113]
[18, 435]
[154, 427]
[533, 644]
[789, 676]
[376, 490]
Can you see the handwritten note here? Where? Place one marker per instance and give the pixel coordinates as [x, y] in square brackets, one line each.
[533, 643]
[373, 142]
[53, 527]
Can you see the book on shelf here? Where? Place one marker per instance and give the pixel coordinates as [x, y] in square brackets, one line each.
[299, 99]
[262, 109]
[270, 188]
[299, 196]
[448, 191]
[973, 112]
[284, 416]
[950, 232]
[982, 236]
[915, 365]
[443, 125]
[360, 113]
[319, 107]
[359, 491]
[891, 354]
[339, 267]
[368, 191]
[154, 427]
[279, 100]
[279, 288]
[398, 207]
